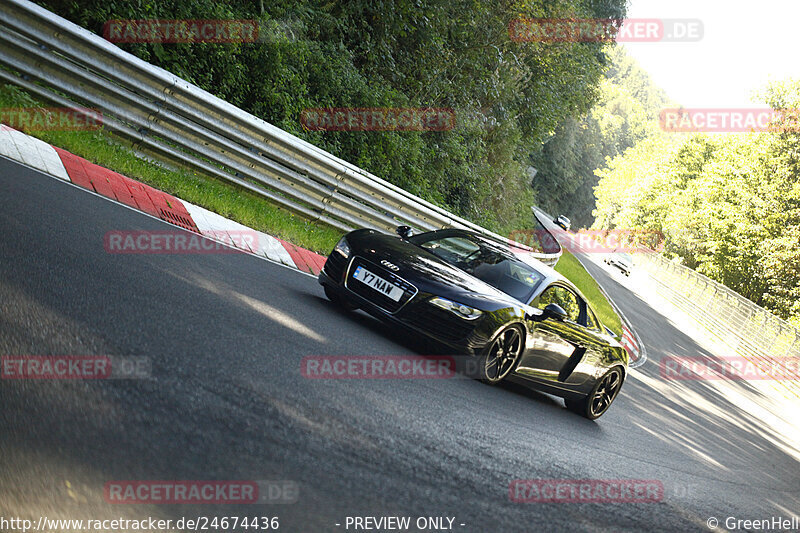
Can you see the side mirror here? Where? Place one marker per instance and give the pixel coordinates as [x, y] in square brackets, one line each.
[404, 231]
[554, 311]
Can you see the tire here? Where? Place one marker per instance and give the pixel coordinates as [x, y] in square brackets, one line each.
[501, 355]
[600, 399]
[342, 302]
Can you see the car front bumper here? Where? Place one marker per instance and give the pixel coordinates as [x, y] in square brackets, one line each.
[463, 337]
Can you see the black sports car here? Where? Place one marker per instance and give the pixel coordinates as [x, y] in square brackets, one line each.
[518, 318]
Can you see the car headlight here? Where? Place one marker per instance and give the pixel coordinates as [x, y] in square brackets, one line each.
[460, 310]
[342, 248]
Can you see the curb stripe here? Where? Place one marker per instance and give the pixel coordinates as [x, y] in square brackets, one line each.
[125, 190]
[7, 146]
[629, 343]
[298, 259]
[32, 152]
[75, 169]
[68, 166]
[306, 260]
[214, 226]
[120, 189]
[139, 194]
[312, 259]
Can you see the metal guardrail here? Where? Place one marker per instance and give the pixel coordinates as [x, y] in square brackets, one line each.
[171, 120]
[749, 330]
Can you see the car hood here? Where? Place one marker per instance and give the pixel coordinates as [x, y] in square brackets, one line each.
[427, 272]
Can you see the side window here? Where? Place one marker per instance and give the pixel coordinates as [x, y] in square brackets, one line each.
[567, 299]
[592, 322]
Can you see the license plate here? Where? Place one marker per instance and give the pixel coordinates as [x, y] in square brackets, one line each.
[378, 283]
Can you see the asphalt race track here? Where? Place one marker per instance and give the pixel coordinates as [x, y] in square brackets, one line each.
[225, 335]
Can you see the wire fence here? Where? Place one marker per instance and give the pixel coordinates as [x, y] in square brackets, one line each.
[748, 330]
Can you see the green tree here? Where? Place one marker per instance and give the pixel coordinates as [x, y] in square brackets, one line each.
[626, 112]
[729, 205]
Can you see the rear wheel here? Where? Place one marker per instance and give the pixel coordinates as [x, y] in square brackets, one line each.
[599, 400]
[339, 300]
[501, 355]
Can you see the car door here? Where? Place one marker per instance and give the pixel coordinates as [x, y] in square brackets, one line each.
[557, 348]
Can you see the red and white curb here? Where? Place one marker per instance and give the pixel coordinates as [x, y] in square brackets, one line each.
[67, 166]
[630, 344]
[31, 151]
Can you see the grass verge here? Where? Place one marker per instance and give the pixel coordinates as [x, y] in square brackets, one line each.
[573, 270]
[225, 199]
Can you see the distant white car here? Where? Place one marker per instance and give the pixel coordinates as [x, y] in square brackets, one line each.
[562, 221]
[622, 261]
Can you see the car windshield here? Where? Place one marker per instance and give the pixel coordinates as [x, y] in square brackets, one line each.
[488, 262]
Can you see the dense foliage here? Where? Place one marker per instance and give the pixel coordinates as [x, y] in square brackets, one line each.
[729, 204]
[626, 113]
[508, 96]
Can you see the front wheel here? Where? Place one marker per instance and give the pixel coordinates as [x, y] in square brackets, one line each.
[599, 400]
[501, 355]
